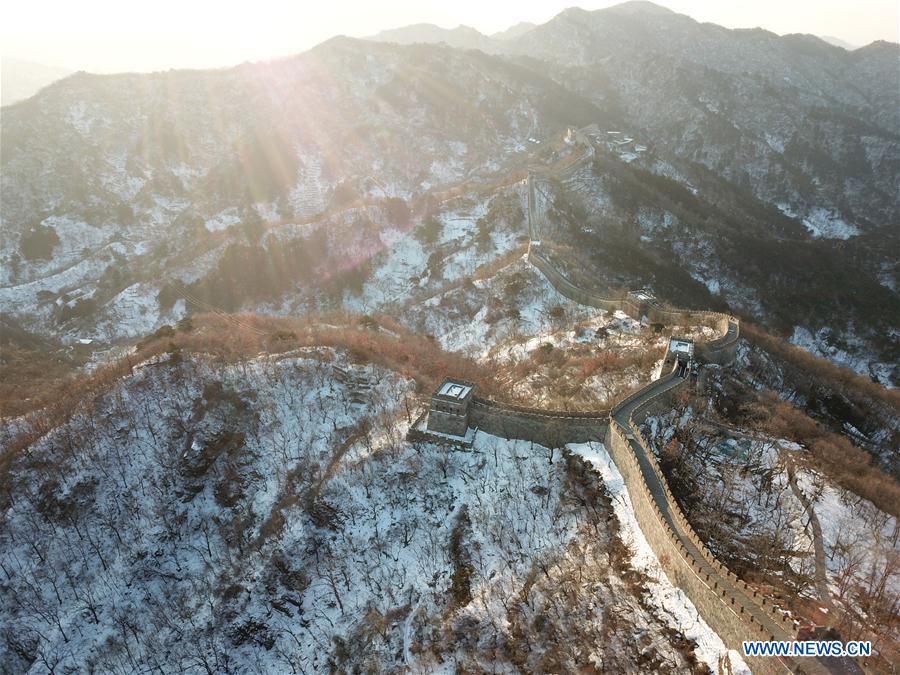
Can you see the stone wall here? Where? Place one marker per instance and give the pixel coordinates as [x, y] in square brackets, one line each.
[723, 349]
[566, 288]
[708, 583]
[715, 604]
[720, 350]
[549, 428]
[448, 422]
[416, 435]
[734, 610]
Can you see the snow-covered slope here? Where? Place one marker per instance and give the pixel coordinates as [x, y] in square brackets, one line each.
[269, 515]
[120, 189]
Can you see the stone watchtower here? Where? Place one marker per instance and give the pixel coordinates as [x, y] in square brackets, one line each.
[680, 352]
[449, 413]
[638, 303]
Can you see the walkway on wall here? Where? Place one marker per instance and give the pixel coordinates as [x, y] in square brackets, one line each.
[747, 614]
[709, 575]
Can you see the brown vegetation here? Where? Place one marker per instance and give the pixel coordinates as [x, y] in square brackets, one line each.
[833, 397]
[834, 454]
[28, 365]
[377, 339]
[564, 375]
[815, 371]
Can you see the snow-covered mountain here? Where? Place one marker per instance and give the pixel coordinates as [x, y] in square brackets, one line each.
[105, 179]
[772, 112]
[269, 515]
[226, 295]
[215, 507]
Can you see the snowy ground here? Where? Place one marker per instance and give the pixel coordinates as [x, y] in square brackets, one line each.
[670, 601]
[855, 356]
[223, 220]
[828, 224]
[269, 516]
[736, 493]
[165, 489]
[861, 542]
[402, 272]
[399, 270]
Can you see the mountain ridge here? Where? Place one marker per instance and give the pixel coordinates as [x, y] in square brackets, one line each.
[22, 79]
[334, 134]
[231, 300]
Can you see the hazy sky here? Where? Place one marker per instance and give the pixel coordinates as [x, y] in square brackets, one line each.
[117, 35]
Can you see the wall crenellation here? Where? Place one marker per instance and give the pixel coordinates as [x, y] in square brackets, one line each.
[733, 609]
[717, 350]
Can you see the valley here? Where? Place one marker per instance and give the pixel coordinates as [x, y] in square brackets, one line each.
[368, 340]
[654, 260]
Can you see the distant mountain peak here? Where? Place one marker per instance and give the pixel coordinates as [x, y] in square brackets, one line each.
[574, 11]
[638, 7]
[837, 42]
[462, 36]
[881, 44]
[514, 31]
[638, 10]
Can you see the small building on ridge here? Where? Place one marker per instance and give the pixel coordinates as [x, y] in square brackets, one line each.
[449, 412]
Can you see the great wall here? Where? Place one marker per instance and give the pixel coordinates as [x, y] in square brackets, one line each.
[736, 611]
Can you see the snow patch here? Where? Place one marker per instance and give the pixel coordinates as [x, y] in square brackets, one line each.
[828, 224]
[671, 602]
[222, 220]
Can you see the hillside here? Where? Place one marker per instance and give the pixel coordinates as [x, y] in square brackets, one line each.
[659, 258]
[789, 109]
[290, 522]
[785, 137]
[272, 442]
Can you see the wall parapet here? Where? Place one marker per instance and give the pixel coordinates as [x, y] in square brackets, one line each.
[678, 516]
[734, 610]
[552, 428]
[540, 412]
[716, 350]
[566, 288]
[718, 595]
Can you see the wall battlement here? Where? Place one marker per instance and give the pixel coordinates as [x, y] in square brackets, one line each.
[721, 349]
[733, 609]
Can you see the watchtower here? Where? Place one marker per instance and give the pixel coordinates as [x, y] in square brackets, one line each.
[638, 303]
[449, 412]
[681, 352]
